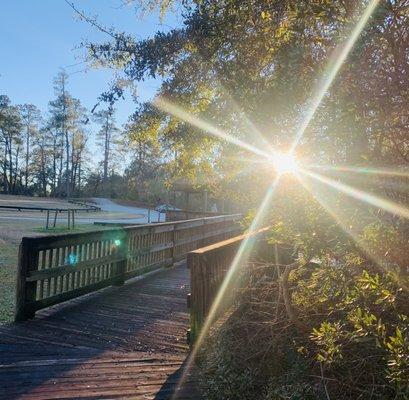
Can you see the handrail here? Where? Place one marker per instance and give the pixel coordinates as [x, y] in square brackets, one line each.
[208, 266]
[56, 268]
[177, 215]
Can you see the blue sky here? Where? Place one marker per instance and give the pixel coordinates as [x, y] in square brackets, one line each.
[38, 37]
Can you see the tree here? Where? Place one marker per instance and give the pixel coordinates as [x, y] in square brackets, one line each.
[10, 130]
[42, 157]
[30, 118]
[233, 59]
[146, 153]
[107, 136]
[68, 118]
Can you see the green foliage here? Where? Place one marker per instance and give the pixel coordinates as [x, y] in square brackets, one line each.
[365, 324]
[235, 61]
[222, 376]
[388, 240]
[355, 342]
[397, 346]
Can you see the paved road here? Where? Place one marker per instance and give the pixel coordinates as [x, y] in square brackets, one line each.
[129, 214]
[111, 212]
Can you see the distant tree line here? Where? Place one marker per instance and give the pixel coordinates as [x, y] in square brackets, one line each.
[52, 154]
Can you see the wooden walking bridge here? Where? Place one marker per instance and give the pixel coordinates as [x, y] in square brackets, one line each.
[121, 330]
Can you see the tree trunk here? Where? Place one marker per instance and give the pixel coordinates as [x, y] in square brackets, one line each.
[27, 157]
[106, 151]
[67, 165]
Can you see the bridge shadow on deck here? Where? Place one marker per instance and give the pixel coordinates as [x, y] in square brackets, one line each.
[121, 342]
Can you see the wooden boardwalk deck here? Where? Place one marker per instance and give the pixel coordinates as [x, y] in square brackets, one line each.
[126, 342]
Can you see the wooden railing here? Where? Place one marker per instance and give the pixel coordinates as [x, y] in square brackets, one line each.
[56, 268]
[208, 267]
[180, 215]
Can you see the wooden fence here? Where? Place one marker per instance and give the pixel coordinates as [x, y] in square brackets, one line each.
[208, 267]
[56, 268]
[180, 215]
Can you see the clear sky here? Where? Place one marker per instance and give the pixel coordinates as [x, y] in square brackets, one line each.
[38, 37]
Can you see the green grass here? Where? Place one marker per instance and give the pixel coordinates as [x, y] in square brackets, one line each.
[9, 243]
[8, 268]
[77, 229]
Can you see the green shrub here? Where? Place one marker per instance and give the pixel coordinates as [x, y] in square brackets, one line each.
[355, 343]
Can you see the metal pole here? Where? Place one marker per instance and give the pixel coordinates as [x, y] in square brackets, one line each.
[48, 219]
[149, 215]
[55, 217]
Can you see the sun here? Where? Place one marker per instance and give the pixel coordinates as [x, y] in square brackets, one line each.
[284, 163]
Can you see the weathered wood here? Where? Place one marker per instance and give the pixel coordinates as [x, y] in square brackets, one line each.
[59, 298]
[21, 283]
[78, 263]
[25, 291]
[120, 265]
[127, 342]
[68, 268]
[178, 215]
[208, 266]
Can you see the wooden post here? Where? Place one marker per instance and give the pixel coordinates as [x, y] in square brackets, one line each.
[173, 244]
[25, 291]
[73, 218]
[205, 203]
[121, 265]
[149, 215]
[195, 297]
[202, 242]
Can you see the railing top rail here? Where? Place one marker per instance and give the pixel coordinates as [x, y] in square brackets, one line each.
[228, 242]
[42, 242]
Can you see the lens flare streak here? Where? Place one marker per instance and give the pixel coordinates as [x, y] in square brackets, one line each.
[376, 201]
[339, 220]
[362, 170]
[205, 126]
[239, 258]
[337, 60]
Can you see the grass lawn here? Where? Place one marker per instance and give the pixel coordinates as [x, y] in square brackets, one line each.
[8, 267]
[11, 232]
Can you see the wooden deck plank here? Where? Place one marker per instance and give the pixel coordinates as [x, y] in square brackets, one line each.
[126, 342]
